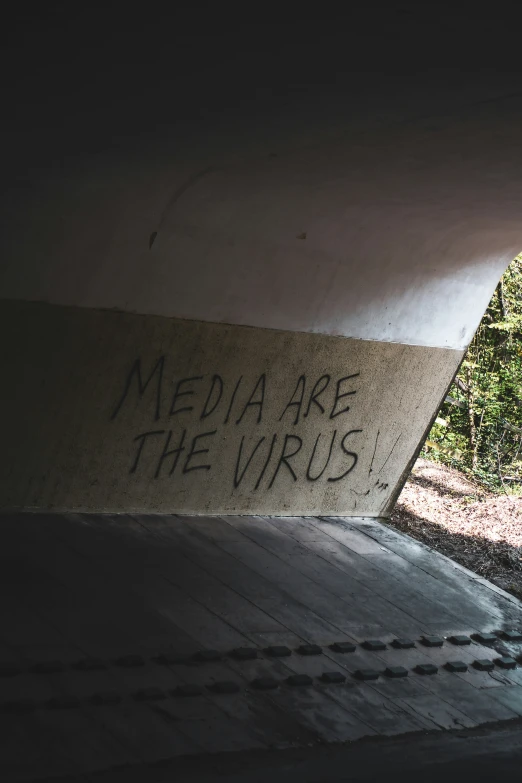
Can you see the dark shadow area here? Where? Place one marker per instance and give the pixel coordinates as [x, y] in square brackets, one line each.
[481, 755]
[497, 561]
[120, 638]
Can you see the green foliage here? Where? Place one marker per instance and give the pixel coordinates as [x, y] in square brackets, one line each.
[479, 426]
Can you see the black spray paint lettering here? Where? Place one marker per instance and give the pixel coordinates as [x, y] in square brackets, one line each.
[141, 439]
[249, 458]
[217, 383]
[297, 403]
[252, 402]
[297, 398]
[319, 388]
[187, 393]
[339, 396]
[175, 453]
[238, 384]
[212, 396]
[135, 373]
[308, 470]
[267, 461]
[193, 452]
[352, 454]
[239, 478]
[285, 457]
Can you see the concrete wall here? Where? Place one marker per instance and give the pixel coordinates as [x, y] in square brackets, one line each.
[391, 234]
[120, 412]
[354, 230]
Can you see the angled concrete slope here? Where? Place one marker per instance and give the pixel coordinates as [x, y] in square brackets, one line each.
[121, 412]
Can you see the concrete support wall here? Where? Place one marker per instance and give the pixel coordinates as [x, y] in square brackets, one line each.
[120, 412]
[349, 238]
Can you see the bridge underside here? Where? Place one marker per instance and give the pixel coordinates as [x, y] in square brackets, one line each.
[224, 293]
[103, 616]
[251, 298]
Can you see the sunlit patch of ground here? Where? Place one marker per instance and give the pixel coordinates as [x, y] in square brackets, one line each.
[478, 529]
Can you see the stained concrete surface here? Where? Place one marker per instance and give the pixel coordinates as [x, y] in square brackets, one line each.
[492, 753]
[375, 206]
[99, 604]
[119, 412]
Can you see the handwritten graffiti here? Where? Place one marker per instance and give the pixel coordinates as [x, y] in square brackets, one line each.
[198, 410]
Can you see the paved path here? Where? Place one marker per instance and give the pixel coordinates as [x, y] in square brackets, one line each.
[118, 636]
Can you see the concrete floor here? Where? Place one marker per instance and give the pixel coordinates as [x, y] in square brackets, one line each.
[102, 617]
[488, 754]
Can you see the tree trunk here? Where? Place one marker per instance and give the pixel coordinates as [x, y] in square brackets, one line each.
[472, 426]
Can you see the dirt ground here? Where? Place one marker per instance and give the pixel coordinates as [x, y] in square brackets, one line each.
[478, 529]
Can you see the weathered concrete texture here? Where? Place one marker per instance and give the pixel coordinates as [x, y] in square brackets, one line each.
[121, 642]
[120, 412]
